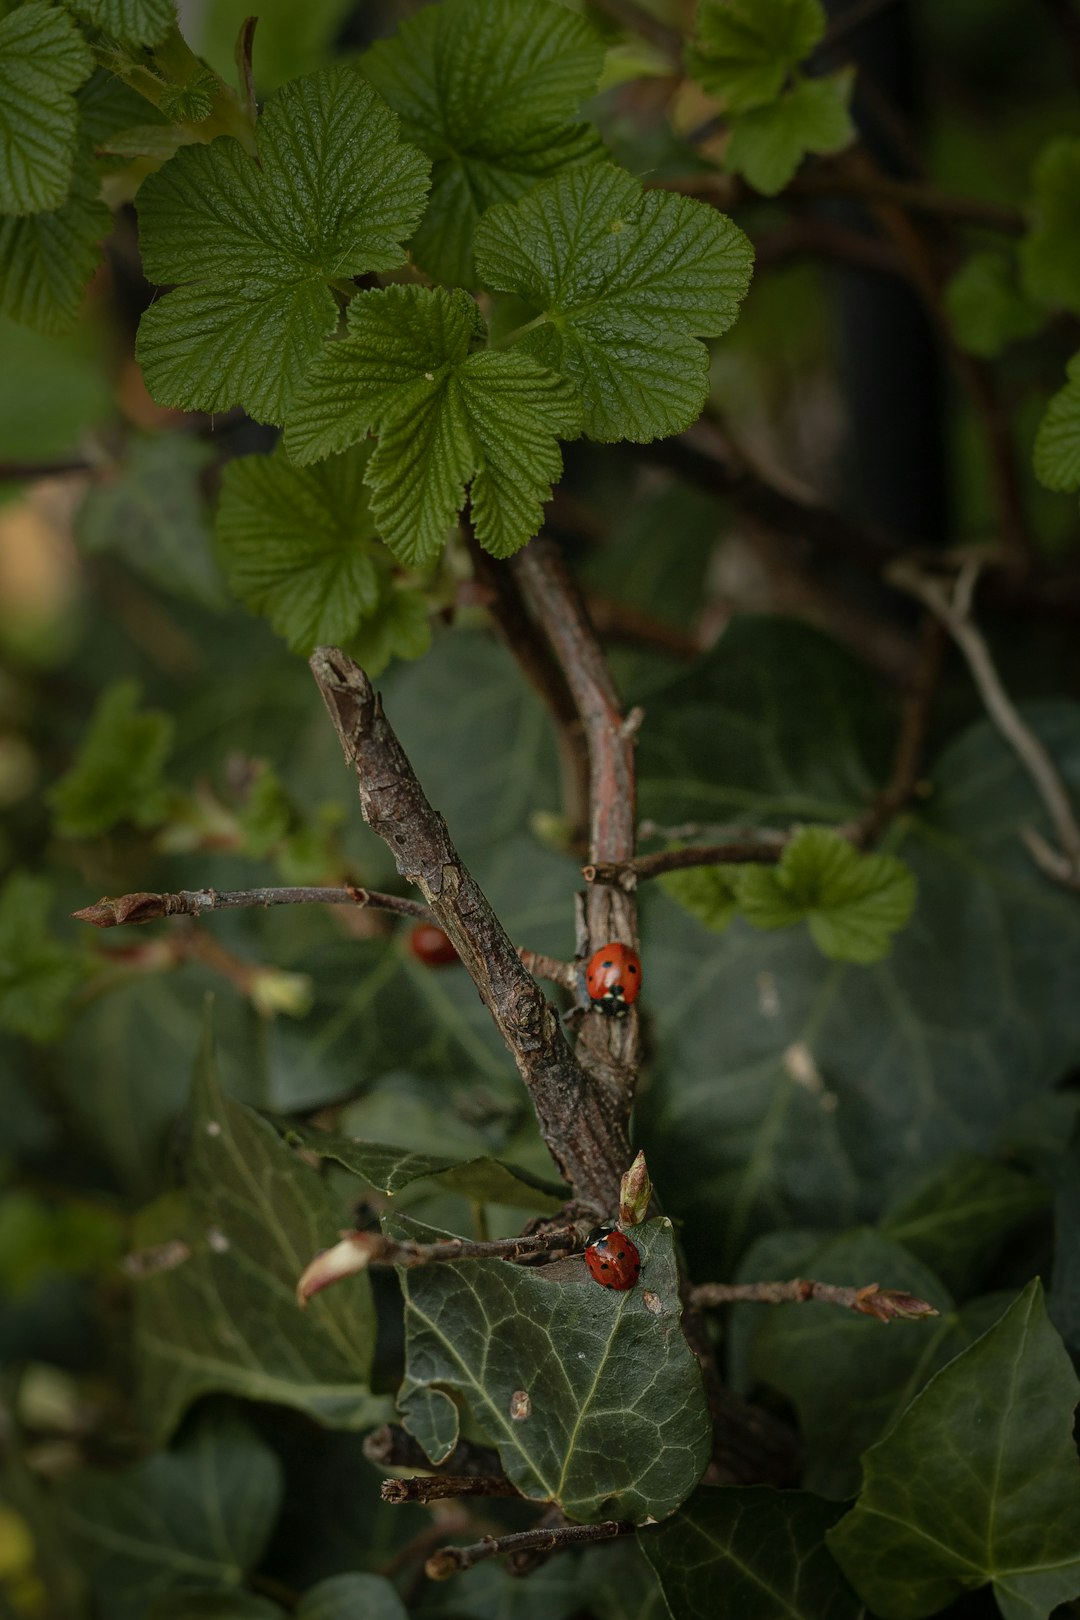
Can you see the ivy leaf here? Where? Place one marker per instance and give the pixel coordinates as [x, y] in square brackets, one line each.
[1057, 443]
[348, 1597]
[400, 627]
[978, 1481]
[750, 1554]
[853, 903]
[136, 22]
[46, 259]
[43, 59]
[708, 893]
[768, 144]
[118, 773]
[1050, 253]
[445, 418]
[625, 282]
[38, 975]
[333, 194]
[226, 1319]
[489, 90]
[200, 1515]
[987, 309]
[300, 544]
[745, 50]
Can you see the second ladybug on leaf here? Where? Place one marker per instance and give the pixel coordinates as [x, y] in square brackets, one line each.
[613, 979]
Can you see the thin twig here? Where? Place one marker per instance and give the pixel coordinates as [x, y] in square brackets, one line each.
[628, 874]
[449, 1561]
[356, 1251]
[845, 179]
[823, 239]
[392, 1447]
[549, 968]
[29, 472]
[886, 1304]
[143, 908]
[438, 1487]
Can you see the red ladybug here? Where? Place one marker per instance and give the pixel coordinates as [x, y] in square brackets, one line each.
[613, 979]
[612, 1259]
[431, 946]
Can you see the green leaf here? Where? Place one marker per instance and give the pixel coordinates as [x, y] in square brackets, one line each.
[957, 1217]
[987, 309]
[489, 89]
[333, 194]
[625, 282]
[189, 1604]
[750, 1554]
[979, 1481]
[46, 259]
[483, 1180]
[1057, 444]
[745, 49]
[853, 903]
[706, 892]
[400, 627]
[300, 544]
[445, 418]
[38, 975]
[616, 1424]
[43, 58]
[352, 1597]
[197, 1516]
[226, 1318]
[136, 22]
[118, 774]
[153, 514]
[767, 144]
[1050, 253]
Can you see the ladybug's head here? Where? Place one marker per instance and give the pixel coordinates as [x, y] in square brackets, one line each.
[600, 1234]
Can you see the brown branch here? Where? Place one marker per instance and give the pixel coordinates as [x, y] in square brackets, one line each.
[619, 621]
[392, 1447]
[449, 1561]
[143, 908]
[549, 968]
[846, 179]
[438, 1487]
[584, 1127]
[822, 239]
[29, 471]
[885, 1304]
[356, 1251]
[628, 874]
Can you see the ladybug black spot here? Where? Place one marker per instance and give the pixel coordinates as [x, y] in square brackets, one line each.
[631, 968]
[603, 1265]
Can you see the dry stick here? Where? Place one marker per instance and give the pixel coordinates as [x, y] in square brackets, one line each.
[628, 874]
[886, 1304]
[356, 1251]
[392, 1447]
[953, 608]
[550, 968]
[438, 1487]
[142, 908]
[584, 1129]
[449, 1561]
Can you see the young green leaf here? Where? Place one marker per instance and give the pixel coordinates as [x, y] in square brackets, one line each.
[136, 22]
[987, 309]
[1050, 253]
[1057, 443]
[118, 773]
[977, 1482]
[43, 59]
[301, 545]
[333, 194]
[38, 975]
[47, 259]
[708, 893]
[445, 418]
[400, 627]
[489, 89]
[745, 49]
[768, 144]
[853, 903]
[625, 282]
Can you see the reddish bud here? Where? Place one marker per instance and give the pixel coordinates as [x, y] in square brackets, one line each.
[891, 1304]
[635, 1193]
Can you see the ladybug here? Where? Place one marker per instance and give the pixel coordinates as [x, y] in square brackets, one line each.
[613, 979]
[431, 946]
[612, 1259]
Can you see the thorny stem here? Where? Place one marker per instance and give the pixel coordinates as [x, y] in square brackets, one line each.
[449, 1561]
[438, 1487]
[142, 908]
[885, 1304]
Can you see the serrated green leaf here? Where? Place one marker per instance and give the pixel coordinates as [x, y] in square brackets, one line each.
[1050, 253]
[987, 309]
[300, 544]
[616, 1424]
[226, 1318]
[118, 774]
[38, 975]
[153, 514]
[706, 892]
[47, 259]
[200, 1515]
[445, 418]
[957, 1217]
[767, 144]
[1057, 443]
[400, 627]
[489, 89]
[135, 22]
[625, 282]
[744, 50]
[43, 58]
[750, 1554]
[333, 194]
[978, 1481]
[853, 903]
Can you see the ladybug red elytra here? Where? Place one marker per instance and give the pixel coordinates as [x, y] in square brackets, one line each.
[431, 946]
[612, 1259]
[613, 979]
